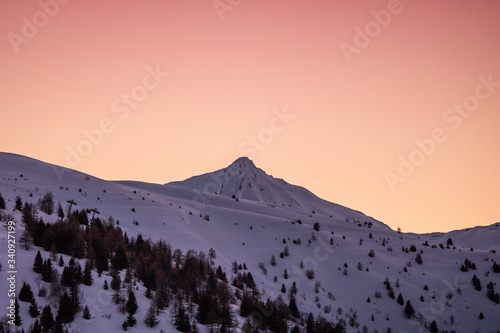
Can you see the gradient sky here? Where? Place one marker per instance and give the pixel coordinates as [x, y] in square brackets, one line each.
[233, 64]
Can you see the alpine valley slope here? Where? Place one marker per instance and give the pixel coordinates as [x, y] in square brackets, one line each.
[246, 216]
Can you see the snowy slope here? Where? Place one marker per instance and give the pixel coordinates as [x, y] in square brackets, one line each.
[252, 229]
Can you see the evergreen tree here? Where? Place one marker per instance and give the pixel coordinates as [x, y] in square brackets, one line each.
[151, 319]
[283, 289]
[120, 260]
[131, 306]
[481, 316]
[409, 310]
[86, 313]
[273, 260]
[68, 276]
[60, 211]
[433, 327]
[310, 324]
[87, 275]
[400, 300]
[61, 261]
[293, 290]
[47, 319]
[47, 271]
[26, 240]
[26, 294]
[2, 202]
[19, 204]
[46, 203]
[75, 299]
[33, 309]
[116, 282]
[106, 287]
[131, 321]
[418, 259]
[38, 263]
[476, 283]
[36, 327]
[182, 319]
[494, 297]
[294, 310]
[66, 313]
[17, 319]
[58, 328]
[29, 215]
[78, 274]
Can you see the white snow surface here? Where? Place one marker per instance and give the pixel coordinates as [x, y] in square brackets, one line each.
[250, 228]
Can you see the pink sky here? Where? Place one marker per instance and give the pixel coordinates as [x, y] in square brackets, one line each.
[231, 69]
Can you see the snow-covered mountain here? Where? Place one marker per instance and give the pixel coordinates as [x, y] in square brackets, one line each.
[248, 216]
[243, 180]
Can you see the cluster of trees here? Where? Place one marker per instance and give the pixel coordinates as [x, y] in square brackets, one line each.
[492, 295]
[199, 291]
[467, 265]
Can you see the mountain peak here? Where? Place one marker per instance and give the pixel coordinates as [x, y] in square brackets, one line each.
[242, 162]
[243, 180]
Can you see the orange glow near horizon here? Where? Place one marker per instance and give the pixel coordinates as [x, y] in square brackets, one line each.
[162, 90]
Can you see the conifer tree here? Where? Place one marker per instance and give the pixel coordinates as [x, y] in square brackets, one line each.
[293, 290]
[273, 260]
[38, 263]
[294, 310]
[60, 211]
[476, 283]
[47, 271]
[409, 310]
[2, 202]
[151, 319]
[65, 312]
[116, 282]
[310, 324]
[433, 327]
[17, 319]
[492, 295]
[400, 299]
[120, 260]
[418, 259]
[131, 305]
[58, 327]
[182, 319]
[47, 319]
[86, 313]
[19, 204]
[131, 321]
[87, 275]
[26, 294]
[36, 327]
[75, 299]
[33, 309]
